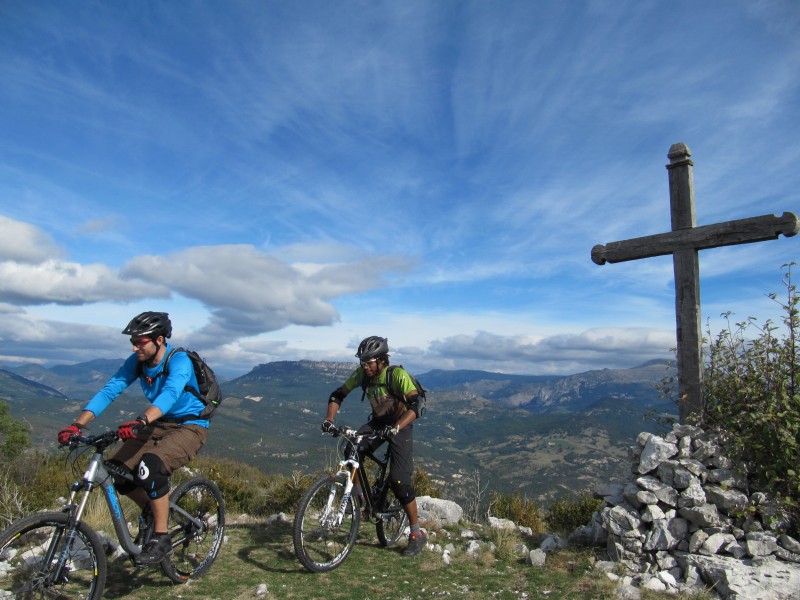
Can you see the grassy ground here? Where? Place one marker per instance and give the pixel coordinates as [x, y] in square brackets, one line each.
[259, 554]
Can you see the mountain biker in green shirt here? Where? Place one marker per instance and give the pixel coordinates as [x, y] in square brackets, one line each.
[394, 417]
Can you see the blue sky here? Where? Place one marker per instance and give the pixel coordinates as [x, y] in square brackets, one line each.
[286, 178]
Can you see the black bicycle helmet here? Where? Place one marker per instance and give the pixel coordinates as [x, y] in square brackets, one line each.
[149, 323]
[372, 347]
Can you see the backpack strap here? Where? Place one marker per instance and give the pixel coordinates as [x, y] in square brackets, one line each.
[390, 380]
[389, 383]
[363, 388]
[164, 371]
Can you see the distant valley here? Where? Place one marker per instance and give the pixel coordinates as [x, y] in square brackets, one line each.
[540, 435]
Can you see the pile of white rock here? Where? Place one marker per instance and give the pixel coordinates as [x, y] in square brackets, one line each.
[687, 519]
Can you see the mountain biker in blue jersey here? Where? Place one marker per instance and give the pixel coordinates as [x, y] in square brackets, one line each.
[391, 415]
[166, 436]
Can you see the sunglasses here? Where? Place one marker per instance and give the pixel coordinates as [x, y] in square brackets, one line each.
[365, 363]
[141, 343]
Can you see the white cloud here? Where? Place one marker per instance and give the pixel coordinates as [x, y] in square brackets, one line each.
[31, 272]
[249, 292]
[25, 243]
[557, 354]
[69, 283]
[47, 341]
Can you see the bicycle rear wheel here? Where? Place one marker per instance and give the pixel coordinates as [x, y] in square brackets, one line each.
[392, 524]
[32, 549]
[323, 537]
[197, 527]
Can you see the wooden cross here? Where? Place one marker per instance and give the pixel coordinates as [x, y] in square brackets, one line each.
[683, 242]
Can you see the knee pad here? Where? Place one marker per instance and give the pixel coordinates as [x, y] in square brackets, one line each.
[151, 474]
[404, 492]
[122, 476]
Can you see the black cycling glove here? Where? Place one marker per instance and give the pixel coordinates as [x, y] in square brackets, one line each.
[389, 431]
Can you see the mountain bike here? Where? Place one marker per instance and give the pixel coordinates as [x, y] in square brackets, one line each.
[58, 555]
[328, 517]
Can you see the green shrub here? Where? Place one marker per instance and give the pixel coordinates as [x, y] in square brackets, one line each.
[282, 494]
[44, 478]
[423, 486]
[518, 509]
[247, 490]
[14, 438]
[752, 396]
[567, 514]
[242, 485]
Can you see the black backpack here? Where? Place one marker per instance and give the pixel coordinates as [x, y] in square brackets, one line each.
[209, 393]
[421, 391]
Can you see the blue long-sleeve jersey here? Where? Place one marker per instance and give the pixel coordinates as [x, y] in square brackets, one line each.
[166, 393]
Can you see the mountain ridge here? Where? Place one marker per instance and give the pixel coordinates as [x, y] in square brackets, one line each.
[541, 435]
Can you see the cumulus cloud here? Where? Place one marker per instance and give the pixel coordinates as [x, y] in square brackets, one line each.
[250, 292]
[33, 272]
[563, 353]
[25, 243]
[229, 339]
[35, 339]
[69, 283]
[246, 291]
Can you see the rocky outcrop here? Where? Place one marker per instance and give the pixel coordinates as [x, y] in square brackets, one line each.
[687, 518]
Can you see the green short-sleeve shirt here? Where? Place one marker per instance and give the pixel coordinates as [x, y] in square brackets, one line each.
[384, 405]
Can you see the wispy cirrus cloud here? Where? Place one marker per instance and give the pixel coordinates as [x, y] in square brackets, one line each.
[421, 170]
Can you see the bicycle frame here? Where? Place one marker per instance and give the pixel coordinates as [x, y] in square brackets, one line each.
[375, 495]
[351, 464]
[97, 474]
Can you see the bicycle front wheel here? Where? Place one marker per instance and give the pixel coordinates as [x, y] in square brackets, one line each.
[40, 557]
[324, 531]
[392, 523]
[197, 527]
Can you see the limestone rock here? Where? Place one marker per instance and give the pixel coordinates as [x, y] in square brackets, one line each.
[442, 512]
[655, 451]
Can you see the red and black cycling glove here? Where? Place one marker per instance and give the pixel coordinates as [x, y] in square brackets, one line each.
[65, 434]
[129, 430]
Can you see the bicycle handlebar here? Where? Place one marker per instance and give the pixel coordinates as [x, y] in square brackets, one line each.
[335, 431]
[351, 434]
[99, 441]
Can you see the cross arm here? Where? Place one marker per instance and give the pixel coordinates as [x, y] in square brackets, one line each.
[741, 231]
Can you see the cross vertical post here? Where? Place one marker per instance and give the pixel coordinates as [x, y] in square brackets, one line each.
[686, 267]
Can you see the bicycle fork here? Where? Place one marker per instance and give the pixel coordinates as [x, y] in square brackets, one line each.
[338, 516]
